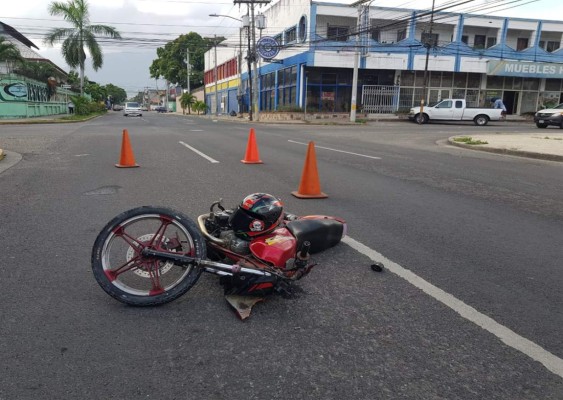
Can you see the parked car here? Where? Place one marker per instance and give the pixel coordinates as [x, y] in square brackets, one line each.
[132, 108]
[455, 110]
[160, 109]
[549, 116]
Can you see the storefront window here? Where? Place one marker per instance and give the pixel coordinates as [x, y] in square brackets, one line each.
[435, 79]
[553, 84]
[460, 79]
[531, 84]
[495, 82]
[516, 83]
[407, 78]
[447, 79]
[473, 80]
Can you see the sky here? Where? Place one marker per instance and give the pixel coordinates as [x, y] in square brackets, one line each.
[148, 24]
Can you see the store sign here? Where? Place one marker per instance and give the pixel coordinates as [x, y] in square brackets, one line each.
[525, 69]
[267, 47]
[12, 91]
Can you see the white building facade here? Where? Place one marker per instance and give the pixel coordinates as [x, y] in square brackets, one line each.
[402, 55]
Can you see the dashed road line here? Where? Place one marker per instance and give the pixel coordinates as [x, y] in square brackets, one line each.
[339, 151]
[506, 335]
[199, 152]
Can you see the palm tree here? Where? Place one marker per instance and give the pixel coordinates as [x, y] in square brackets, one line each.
[80, 36]
[9, 52]
[187, 101]
[199, 106]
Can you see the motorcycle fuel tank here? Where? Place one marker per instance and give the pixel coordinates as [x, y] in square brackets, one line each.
[276, 247]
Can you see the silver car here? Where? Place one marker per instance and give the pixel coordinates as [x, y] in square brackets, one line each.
[132, 108]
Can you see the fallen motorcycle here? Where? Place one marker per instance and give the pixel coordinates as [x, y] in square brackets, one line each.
[149, 256]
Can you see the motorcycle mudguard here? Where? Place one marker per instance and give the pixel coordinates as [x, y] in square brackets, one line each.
[321, 231]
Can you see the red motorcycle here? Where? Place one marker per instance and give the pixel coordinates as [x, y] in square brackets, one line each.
[151, 255]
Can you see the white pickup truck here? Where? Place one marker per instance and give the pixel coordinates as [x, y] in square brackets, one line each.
[455, 110]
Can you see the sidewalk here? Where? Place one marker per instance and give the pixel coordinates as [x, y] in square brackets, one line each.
[546, 144]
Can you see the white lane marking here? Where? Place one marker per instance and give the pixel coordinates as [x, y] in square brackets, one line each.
[509, 337]
[199, 152]
[196, 130]
[340, 151]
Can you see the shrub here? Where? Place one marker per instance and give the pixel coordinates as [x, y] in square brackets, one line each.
[292, 108]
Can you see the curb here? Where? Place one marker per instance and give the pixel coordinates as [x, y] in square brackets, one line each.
[1, 154]
[519, 153]
[25, 121]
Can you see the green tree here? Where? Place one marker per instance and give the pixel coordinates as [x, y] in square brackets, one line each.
[9, 52]
[171, 61]
[38, 70]
[118, 95]
[73, 78]
[80, 36]
[187, 101]
[97, 92]
[199, 106]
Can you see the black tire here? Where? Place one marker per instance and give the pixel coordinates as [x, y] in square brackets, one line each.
[481, 120]
[542, 126]
[421, 118]
[133, 279]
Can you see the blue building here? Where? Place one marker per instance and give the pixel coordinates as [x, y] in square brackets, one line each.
[402, 55]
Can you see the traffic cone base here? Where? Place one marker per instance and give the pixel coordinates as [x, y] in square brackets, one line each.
[310, 187]
[252, 156]
[127, 159]
[320, 195]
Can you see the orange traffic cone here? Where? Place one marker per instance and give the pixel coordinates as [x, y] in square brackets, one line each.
[310, 187]
[251, 156]
[127, 159]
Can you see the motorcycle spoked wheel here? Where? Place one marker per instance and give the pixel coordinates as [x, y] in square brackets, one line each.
[128, 276]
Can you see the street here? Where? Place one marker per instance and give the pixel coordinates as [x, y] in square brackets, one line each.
[469, 306]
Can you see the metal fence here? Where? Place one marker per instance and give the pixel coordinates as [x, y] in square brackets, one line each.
[380, 99]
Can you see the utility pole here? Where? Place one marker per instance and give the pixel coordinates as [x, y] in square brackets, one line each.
[427, 43]
[216, 77]
[359, 30]
[188, 69]
[250, 4]
[249, 66]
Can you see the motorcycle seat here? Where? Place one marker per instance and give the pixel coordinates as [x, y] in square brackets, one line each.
[322, 233]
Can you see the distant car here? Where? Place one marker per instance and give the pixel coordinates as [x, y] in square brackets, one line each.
[550, 116]
[144, 108]
[132, 108]
[117, 107]
[160, 109]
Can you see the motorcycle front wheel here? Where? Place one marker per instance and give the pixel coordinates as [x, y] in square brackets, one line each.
[125, 274]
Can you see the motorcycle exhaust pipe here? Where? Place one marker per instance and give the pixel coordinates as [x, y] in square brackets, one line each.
[201, 223]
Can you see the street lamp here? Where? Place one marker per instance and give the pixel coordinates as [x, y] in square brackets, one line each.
[239, 62]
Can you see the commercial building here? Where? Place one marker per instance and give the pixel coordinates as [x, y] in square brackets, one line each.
[21, 96]
[402, 55]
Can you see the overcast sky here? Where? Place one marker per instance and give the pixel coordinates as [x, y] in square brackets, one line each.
[149, 24]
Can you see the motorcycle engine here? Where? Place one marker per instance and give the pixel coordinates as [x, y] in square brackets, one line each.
[218, 226]
[234, 243]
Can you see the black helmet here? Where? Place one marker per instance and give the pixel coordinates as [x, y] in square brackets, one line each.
[258, 213]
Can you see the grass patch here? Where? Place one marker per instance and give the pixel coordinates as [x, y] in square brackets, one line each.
[77, 118]
[553, 138]
[469, 140]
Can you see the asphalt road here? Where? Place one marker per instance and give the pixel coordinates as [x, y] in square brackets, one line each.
[468, 308]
